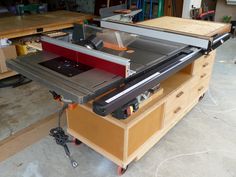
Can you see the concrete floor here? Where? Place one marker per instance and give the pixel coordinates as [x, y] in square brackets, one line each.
[203, 144]
[22, 106]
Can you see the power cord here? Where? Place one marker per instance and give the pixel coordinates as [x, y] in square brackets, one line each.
[61, 138]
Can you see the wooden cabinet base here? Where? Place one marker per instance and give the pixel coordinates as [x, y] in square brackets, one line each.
[124, 141]
[118, 140]
[7, 74]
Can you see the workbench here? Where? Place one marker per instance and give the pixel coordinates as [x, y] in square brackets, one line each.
[123, 141]
[18, 26]
[21, 26]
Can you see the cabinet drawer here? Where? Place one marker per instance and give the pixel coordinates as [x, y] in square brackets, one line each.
[200, 88]
[204, 63]
[201, 75]
[205, 73]
[176, 103]
[176, 110]
[178, 96]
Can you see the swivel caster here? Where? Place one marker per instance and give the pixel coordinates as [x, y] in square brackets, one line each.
[201, 97]
[77, 142]
[121, 170]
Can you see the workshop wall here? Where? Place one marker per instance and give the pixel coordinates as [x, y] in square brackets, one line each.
[210, 4]
[223, 9]
[188, 6]
[86, 6]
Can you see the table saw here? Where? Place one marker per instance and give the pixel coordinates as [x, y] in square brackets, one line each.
[131, 82]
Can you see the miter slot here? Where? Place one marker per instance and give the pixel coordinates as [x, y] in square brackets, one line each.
[99, 84]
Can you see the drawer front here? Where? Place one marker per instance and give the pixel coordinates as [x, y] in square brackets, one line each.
[176, 103]
[205, 73]
[204, 63]
[201, 75]
[174, 112]
[200, 88]
[178, 96]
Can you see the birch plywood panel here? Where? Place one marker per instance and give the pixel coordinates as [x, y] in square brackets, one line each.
[97, 130]
[144, 129]
[188, 26]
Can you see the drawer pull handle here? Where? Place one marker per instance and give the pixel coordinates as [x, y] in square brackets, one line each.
[179, 94]
[177, 110]
[200, 89]
[205, 65]
[202, 76]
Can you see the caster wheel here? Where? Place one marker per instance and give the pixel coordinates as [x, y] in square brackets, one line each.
[77, 142]
[121, 171]
[201, 97]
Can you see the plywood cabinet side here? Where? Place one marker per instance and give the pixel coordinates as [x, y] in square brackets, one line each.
[144, 129]
[97, 130]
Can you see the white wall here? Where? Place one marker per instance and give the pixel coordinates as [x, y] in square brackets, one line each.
[223, 9]
[188, 6]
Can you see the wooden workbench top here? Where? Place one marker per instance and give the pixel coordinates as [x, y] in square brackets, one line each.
[17, 26]
[187, 26]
